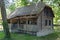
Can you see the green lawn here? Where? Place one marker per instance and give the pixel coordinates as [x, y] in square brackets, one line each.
[1, 35]
[54, 36]
[15, 36]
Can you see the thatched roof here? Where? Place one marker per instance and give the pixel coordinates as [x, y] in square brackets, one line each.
[27, 10]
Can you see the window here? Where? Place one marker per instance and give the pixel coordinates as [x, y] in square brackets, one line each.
[29, 21]
[14, 25]
[32, 22]
[45, 22]
[23, 22]
[49, 22]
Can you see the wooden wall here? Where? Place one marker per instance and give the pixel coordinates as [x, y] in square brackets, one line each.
[44, 17]
[40, 23]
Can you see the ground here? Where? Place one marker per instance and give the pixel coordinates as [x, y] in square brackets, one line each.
[16, 36]
[54, 36]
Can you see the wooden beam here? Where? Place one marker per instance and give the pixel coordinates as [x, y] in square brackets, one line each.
[26, 17]
[11, 21]
[29, 17]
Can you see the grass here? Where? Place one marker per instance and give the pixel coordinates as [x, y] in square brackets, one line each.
[1, 35]
[53, 36]
[15, 36]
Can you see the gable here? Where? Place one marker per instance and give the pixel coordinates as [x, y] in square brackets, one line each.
[48, 11]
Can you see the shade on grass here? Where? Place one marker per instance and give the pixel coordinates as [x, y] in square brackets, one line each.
[15, 36]
[54, 36]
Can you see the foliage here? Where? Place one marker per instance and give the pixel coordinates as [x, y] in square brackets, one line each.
[35, 1]
[20, 3]
[12, 7]
[57, 15]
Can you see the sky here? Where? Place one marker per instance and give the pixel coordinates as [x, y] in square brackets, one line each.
[8, 2]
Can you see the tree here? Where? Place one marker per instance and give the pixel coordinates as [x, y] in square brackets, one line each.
[12, 7]
[4, 18]
[20, 3]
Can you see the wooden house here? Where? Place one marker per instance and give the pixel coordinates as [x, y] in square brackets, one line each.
[36, 19]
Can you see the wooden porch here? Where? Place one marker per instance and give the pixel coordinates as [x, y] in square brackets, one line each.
[25, 24]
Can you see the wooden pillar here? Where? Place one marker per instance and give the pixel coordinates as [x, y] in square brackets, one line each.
[26, 24]
[39, 23]
[10, 25]
[41, 19]
[52, 24]
[18, 24]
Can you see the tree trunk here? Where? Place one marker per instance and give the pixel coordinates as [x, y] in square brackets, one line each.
[4, 18]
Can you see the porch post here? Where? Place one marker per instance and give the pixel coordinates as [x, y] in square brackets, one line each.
[26, 24]
[18, 23]
[39, 23]
[52, 24]
[10, 25]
